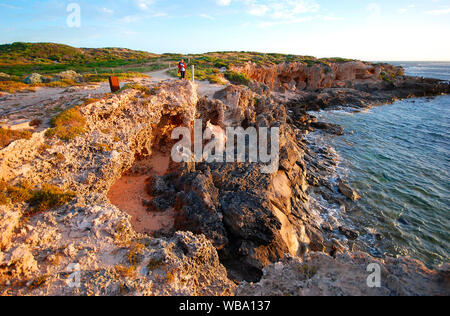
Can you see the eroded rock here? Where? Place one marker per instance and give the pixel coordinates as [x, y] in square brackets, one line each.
[318, 274]
[347, 191]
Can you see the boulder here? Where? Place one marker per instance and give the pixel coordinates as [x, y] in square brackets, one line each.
[69, 75]
[4, 77]
[34, 78]
[330, 128]
[347, 191]
[349, 233]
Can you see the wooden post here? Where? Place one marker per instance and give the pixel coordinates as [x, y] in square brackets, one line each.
[193, 73]
[114, 84]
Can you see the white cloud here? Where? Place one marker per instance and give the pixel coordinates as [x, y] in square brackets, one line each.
[281, 9]
[206, 16]
[439, 12]
[131, 19]
[285, 22]
[223, 3]
[8, 6]
[258, 10]
[107, 11]
[402, 11]
[374, 13]
[144, 4]
[331, 18]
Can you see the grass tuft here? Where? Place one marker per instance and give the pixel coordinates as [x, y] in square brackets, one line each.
[125, 272]
[134, 256]
[39, 282]
[67, 125]
[7, 136]
[49, 197]
[39, 200]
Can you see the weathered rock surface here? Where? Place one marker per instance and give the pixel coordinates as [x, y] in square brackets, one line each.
[318, 274]
[346, 190]
[252, 218]
[68, 75]
[299, 76]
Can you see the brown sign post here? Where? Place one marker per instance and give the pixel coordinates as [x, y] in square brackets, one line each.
[114, 84]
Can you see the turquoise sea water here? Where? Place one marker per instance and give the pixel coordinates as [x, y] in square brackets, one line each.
[398, 159]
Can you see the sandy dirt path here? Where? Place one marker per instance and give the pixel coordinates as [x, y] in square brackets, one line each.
[204, 87]
[18, 110]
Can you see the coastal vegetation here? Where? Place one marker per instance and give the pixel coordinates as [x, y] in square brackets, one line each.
[19, 60]
[237, 78]
[39, 200]
[67, 124]
[7, 136]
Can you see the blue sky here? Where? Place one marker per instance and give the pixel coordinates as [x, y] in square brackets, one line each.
[368, 30]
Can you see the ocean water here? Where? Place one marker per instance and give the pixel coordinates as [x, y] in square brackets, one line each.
[397, 157]
[437, 70]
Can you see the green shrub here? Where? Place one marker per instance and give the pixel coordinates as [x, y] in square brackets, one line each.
[48, 197]
[237, 78]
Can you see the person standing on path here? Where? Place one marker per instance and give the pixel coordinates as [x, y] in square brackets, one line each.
[182, 69]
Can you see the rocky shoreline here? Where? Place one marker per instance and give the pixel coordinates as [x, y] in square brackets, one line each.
[232, 221]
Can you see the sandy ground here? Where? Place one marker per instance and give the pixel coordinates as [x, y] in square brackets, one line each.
[129, 194]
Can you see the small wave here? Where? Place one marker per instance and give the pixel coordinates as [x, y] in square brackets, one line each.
[399, 165]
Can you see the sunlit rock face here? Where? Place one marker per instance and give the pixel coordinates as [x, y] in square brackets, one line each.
[299, 76]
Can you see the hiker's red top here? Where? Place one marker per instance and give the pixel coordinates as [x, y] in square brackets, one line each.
[182, 66]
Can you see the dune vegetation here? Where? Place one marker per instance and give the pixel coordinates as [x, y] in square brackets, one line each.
[19, 60]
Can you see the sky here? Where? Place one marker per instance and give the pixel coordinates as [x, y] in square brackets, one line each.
[380, 30]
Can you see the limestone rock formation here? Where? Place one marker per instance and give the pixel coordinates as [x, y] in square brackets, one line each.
[318, 274]
[298, 76]
[4, 76]
[68, 75]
